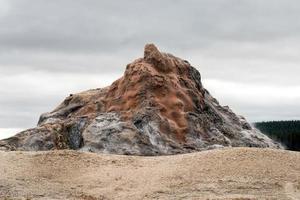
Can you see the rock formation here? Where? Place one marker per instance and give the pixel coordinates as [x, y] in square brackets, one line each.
[158, 107]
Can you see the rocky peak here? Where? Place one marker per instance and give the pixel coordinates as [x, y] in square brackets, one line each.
[162, 62]
[158, 107]
[159, 60]
[151, 52]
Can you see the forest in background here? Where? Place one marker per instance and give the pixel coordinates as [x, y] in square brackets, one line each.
[285, 132]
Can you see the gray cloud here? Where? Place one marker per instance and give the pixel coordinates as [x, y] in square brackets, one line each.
[105, 26]
[49, 49]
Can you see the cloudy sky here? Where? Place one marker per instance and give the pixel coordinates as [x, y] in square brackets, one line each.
[248, 51]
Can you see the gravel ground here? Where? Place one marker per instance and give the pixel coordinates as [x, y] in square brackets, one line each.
[230, 173]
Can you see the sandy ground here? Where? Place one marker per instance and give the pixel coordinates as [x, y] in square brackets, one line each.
[232, 173]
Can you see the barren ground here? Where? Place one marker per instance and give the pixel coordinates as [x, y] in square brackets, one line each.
[231, 173]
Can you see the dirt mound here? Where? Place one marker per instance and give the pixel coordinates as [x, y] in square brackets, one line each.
[158, 107]
[231, 173]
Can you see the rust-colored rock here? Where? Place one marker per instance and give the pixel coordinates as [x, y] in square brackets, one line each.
[158, 107]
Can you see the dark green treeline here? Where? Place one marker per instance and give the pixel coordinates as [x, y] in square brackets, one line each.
[286, 132]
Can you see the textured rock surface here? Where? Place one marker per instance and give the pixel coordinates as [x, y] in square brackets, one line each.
[158, 107]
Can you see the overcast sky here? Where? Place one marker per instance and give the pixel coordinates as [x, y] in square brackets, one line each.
[248, 51]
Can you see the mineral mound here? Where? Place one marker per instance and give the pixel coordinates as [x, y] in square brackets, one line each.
[158, 107]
